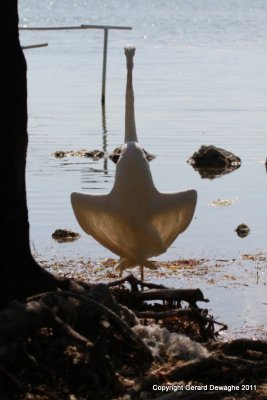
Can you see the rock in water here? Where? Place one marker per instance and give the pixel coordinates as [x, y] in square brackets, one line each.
[242, 230]
[115, 155]
[212, 162]
[65, 235]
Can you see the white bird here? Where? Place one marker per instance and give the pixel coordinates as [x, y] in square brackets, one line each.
[134, 221]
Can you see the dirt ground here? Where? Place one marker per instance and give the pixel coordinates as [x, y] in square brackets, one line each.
[110, 342]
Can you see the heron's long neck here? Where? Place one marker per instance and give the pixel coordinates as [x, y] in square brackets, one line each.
[130, 130]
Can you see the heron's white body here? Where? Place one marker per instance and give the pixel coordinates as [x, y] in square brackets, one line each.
[134, 221]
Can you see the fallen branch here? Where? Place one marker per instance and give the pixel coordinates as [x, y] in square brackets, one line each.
[134, 282]
[172, 296]
[240, 345]
[190, 314]
[192, 321]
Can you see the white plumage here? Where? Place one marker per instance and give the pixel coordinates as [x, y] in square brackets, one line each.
[134, 221]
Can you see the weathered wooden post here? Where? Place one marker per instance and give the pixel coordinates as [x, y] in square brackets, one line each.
[105, 49]
[106, 28]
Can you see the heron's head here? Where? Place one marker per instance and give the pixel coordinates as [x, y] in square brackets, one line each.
[129, 51]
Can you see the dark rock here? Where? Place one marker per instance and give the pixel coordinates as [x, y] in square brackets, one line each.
[60, 154]
[242, 230]
[212, 162]
[115, 155]
[65, 235]
[95, 154]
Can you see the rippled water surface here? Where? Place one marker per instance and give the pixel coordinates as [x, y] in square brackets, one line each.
[200, 77]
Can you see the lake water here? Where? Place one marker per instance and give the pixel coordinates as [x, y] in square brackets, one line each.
[200, 77]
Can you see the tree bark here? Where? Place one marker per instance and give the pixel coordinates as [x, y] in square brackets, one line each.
[20, 275]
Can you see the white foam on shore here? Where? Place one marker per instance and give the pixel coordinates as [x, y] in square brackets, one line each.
[164, 344]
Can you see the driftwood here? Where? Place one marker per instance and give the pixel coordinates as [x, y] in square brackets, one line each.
[192, 321]
[221, 366]
[163, 292]
[240, 345]
[181, 313]
[172, 296]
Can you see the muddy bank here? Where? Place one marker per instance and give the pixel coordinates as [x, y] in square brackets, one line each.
[114, 341]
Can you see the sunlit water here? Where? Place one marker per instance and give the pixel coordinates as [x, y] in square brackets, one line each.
[200, 77]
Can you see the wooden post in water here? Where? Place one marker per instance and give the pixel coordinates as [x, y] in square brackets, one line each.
[85, 26]
[105, 50]
[34, 46]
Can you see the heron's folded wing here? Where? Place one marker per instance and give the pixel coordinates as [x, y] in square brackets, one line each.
[171, 213]
[109, 222]
[97, 216]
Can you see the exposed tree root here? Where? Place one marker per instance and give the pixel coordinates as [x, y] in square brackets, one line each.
[192, 320]
[79, 345]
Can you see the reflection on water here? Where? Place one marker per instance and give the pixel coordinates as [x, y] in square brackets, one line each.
[105, 138]
[212, 173]
[89, 178]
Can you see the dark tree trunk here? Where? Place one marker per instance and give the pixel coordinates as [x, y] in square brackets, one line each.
[20, 275]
